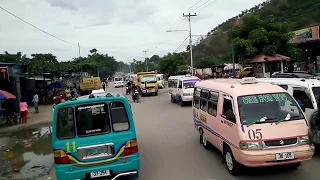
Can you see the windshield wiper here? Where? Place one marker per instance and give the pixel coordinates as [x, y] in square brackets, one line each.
[260, 120]
[288, 117]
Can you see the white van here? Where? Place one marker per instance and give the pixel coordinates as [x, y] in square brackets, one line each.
[180, 88]
[118, 82]
[305, 91]
[160, 81]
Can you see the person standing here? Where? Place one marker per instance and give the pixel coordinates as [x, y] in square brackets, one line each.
[68, 94]
[24, 111]
[104, 85]
[36, 102]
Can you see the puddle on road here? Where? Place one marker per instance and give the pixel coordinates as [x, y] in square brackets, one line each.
[26, 154]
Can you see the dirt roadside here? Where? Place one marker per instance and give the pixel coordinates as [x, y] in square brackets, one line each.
[44, 117]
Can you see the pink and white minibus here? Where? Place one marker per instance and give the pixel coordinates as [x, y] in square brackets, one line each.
[253, 124]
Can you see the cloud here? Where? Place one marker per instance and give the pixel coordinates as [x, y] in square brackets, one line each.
[63, 5]
[122, 29]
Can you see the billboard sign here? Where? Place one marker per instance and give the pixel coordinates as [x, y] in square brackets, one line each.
[306, 35]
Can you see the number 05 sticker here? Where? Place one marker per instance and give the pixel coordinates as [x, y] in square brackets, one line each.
[255, 134]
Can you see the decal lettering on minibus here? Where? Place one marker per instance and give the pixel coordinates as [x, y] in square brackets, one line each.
[264, 98]
[228, 123]
[203, 118]
[90, 107]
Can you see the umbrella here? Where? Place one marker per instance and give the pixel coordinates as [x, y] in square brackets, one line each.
[4, 95]
[56, 85]
[229, 67]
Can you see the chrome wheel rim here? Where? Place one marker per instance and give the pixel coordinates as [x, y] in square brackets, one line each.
[204, 140]
[229, 161]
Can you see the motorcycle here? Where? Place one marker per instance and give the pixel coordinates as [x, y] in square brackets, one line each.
[128, 90]
[135, 96]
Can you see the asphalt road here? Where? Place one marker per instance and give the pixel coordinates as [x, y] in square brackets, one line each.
[170, 149]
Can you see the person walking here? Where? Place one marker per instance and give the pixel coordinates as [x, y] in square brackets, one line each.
[36, 102]
[24, 111]
[104, 85]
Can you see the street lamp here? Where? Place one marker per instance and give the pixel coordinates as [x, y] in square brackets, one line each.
[190, 45]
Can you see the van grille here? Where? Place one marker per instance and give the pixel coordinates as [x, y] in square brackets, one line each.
[283, 142]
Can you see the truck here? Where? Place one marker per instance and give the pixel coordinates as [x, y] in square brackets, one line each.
[147, 83]
[87, 85]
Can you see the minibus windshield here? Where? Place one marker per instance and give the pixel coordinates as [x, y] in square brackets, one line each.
[189, 83]
[268, 107]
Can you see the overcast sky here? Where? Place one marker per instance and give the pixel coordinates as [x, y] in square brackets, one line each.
[120, 28]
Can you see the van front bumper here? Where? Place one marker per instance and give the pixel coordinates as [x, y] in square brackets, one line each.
[70, 172]
[264, 158]
[186, 98]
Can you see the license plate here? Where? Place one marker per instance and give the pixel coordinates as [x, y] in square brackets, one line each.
[284, 156]
[100, 174]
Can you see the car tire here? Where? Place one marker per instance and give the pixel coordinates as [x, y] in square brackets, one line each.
[232, 165]
[203, 140]
[156, 93]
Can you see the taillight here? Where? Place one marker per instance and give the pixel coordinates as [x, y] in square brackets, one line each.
[60, 157]
[131, 148]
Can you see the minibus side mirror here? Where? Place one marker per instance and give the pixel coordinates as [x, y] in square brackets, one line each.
[230, 116]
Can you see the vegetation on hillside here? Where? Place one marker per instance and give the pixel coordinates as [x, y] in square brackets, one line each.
[296, 13]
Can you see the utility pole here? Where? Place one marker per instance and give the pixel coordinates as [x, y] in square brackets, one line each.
[80, 60]
[145, 52]
[190, 41]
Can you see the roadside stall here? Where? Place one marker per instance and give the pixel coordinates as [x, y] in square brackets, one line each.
[264, 66]
[8, 112]
[229, 68]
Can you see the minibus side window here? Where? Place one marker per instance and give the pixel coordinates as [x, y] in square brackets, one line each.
[119, 117]
[227, 106]
[213, 103]
[203, 100]
[196, 98]
[302, 98]
[180, 84]
[65, 124]
[92, 119]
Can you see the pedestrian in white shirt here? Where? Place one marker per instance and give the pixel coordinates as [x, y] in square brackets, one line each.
[36, 102]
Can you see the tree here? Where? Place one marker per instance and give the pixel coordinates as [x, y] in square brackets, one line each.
[172, 63]
[206, 62]
[254, 36]
[41, 63]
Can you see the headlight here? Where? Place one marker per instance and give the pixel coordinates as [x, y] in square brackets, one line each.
[251, 145]
[303, 140]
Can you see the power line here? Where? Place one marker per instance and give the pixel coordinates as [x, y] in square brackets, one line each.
[201, 5]
[182, 43]
[206, 5]
[136, 46]
[37, 27]
[193, 5]
[181, 17]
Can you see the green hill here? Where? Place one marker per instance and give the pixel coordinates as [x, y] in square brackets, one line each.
[297, 13]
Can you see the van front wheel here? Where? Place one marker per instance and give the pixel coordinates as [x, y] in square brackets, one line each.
[232, 165]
